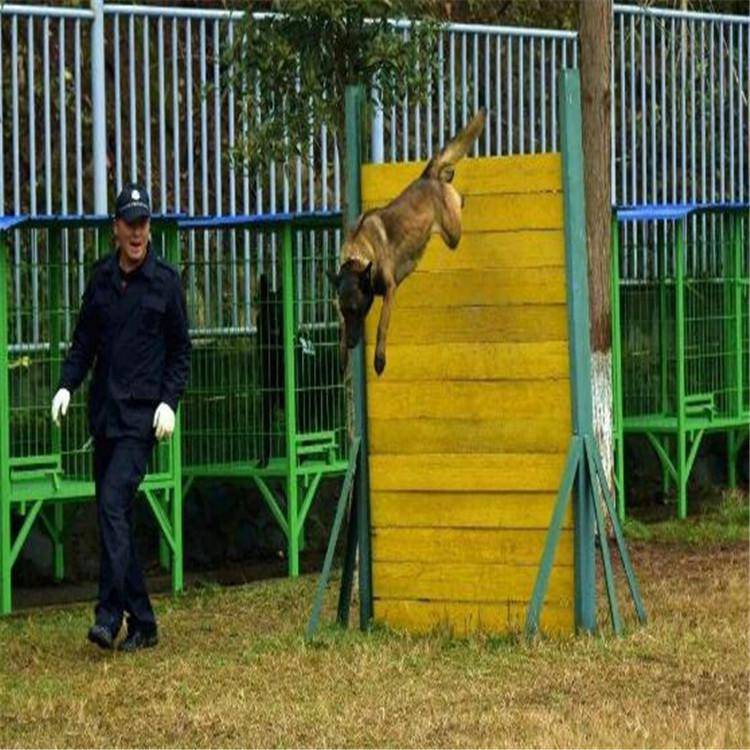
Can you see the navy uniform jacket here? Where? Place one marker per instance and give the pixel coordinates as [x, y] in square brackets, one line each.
[137, 337]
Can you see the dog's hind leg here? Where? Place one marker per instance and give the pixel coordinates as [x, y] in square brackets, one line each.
[383, 323]
[450, 217]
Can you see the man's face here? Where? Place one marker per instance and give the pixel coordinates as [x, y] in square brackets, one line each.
[132, 238]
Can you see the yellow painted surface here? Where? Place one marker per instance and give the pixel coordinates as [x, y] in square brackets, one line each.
[501, 399]
[469, 288]
[450, 545]
[470, 423]
[466, 582]
[471, 324]
[490, 250]
[462, 619]
[518, 360]
[541, 434]
[510, 472]
[507, 213]
[464, 509]
[484, 176]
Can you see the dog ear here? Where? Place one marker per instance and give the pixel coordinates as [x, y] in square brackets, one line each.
[333, 277]
[365, 278]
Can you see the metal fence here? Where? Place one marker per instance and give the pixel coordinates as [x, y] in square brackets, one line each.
[679, 108]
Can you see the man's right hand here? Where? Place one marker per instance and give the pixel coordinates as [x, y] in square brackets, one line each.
[60, 405]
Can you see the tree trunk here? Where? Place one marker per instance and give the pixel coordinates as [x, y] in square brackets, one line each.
[595, 18]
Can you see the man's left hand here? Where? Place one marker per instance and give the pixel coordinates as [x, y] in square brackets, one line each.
[164, 421]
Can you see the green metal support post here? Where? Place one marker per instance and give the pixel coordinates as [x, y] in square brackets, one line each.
[354, 99]
[290, 407]
[54, 236]
[733, 441]
[579, 342]
[175, 463]
[617, 372]
[680, 228]
[5, 500]
[582, 473]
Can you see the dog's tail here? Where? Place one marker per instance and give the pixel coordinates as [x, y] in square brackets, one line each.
[441, 167]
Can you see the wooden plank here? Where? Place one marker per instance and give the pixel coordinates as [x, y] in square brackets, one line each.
[492, 175]
[508, 213]
[467, 582]
[520, 435]
[481, 546]
[462, 619]
[465, 509]
[502, 399]
[486, 250]
[472, 324]
[524, 286]
[481, 472]
[493, 361]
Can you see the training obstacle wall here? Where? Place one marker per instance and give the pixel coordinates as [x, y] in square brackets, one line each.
[470, 422]
[475, 483]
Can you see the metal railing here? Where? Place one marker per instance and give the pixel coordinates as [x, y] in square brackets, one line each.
[131, 92]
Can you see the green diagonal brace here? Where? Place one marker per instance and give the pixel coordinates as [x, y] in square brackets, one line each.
[572, 465]
[24, 531]
[325, 574]
[309, 497]
[609, 578]
[161, 518]
[693, 452]
[622, 549]
[273, 506]
[663, 456]
[51, 530]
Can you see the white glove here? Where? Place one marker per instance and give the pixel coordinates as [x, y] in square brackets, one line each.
[60, 405]
[164, 421]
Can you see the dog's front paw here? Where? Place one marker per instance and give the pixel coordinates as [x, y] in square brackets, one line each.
[379, 363]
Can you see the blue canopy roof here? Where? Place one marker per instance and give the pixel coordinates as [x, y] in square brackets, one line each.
[8, 222]
[259, 220]
[674, 211]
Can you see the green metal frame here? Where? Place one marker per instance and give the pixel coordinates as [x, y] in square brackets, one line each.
[358, 541]
[288, 483]
[708, 392]
[583, 476]
[35, 483]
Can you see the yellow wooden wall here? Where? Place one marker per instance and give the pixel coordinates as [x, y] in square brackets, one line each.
[470, 421]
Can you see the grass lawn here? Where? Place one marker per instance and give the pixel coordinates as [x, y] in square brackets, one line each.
[233, 670]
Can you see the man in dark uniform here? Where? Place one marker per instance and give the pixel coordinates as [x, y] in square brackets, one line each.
[132, 327]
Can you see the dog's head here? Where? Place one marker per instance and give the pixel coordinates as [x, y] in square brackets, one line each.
[354, 289]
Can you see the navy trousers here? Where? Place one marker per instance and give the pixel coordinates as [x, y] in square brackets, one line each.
[119, 466]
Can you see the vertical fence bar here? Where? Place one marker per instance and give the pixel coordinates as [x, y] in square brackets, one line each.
[2, 125]
[132, 101]
[98, 108]
[176, 198]
[146, 105]
[162, 117]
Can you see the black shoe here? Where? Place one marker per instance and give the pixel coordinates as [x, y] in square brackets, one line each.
[138, 639]
[101, 636]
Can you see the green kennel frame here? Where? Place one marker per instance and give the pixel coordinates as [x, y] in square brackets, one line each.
[266, 400]
[680, 342]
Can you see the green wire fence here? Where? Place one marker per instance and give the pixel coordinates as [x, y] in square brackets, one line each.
[680, 314]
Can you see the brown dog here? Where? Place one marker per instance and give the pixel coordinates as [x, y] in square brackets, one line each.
[386, 243]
